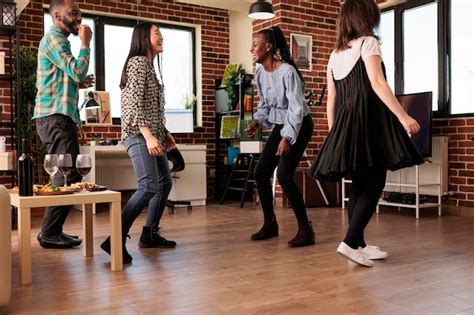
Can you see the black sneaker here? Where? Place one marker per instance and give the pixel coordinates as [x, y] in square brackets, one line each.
[57, 241]
[76, 237]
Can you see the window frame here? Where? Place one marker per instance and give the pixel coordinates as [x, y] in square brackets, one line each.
[101, 20]
[444, 53]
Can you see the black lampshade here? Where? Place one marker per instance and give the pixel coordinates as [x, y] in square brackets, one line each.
[261, 10]
[90, 102]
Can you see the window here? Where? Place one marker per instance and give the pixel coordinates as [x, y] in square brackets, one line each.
[420, 51]
[116, 46]
[177, 67]
[462, 56]
[386, 32]
[111, 44]
[433, 50]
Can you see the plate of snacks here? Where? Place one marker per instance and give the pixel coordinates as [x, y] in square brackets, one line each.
[89, 186]
[50, 189]
[97, 188]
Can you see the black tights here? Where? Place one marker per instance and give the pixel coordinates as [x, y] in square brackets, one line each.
[366, 190]
[286, 170]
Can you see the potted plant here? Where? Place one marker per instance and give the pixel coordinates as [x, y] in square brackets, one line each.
[230, 88]
[26, 102]
[190, 102]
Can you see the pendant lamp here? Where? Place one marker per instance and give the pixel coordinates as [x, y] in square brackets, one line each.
[261, 10]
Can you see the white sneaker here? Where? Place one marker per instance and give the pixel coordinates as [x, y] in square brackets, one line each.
[356, 255]
[373, 252]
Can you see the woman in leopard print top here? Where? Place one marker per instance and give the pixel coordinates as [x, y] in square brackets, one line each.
[143, 100]
[145, 137]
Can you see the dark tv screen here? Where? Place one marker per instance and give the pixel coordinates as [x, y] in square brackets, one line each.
[418, 106]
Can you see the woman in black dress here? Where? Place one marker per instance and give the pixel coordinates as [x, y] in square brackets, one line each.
[369, 130]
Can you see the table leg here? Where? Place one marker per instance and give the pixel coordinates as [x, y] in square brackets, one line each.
[116, 236]
[87, 230]
[24, 244]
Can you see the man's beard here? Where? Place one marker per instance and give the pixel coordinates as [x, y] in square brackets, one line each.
[72, 28]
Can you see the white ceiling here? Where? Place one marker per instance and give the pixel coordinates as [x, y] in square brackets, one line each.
[234, 5]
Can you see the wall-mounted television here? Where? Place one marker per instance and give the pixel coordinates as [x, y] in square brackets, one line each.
[418, 106]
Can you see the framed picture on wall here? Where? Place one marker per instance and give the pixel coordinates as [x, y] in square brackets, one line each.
[301, 47]
[230, 127]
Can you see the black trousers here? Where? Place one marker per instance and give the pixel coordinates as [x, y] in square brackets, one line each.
[366, 189]
[59, 134]
[285, 173]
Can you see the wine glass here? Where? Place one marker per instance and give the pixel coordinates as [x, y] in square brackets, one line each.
[51, 165]
[65, 166]
[83, 166]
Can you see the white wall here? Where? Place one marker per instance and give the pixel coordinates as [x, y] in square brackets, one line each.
[240, 40]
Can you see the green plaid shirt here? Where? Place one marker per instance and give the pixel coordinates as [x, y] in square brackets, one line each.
[58, 76]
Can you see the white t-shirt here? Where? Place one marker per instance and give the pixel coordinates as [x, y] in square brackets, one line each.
[342, 62]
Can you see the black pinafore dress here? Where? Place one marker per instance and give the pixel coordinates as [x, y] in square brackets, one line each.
[365, 133]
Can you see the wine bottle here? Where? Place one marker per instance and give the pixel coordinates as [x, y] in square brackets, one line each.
[25, 171]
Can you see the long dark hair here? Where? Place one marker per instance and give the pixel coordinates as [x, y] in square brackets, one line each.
[139, 47]
[275, 36]
[357, 18]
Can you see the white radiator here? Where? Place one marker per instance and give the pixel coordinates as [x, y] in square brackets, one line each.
[116, 173]
[428, 171]
[440, 154]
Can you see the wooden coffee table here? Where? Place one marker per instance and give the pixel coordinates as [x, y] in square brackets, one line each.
[87, 199]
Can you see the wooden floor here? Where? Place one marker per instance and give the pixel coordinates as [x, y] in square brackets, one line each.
[216, 269]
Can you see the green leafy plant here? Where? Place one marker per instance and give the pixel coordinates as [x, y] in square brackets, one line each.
[190, 101]
[230, 88]
[26, 103]
[27, 86]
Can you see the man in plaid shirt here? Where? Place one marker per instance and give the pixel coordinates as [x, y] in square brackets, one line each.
[56, 112]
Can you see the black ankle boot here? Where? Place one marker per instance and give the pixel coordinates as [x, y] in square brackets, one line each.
[304, 237]
[126, 257]
[151, 238]
[268, 230]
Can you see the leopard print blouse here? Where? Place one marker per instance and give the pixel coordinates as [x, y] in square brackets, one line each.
[143, 100]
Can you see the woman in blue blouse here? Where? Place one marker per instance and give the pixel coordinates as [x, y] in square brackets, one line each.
[282, 107]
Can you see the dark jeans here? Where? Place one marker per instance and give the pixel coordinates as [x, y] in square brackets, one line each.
[154, 184]
[285, 173]
[366, 190]
[59, 134]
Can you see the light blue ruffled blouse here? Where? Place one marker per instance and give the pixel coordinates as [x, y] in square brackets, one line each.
[281, 100]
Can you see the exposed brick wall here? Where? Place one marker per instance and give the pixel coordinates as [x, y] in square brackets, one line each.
[461, 158]
[318, 18]
[215, 53]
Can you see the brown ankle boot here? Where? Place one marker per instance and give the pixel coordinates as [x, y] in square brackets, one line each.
[304, 237]
[268, 230]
